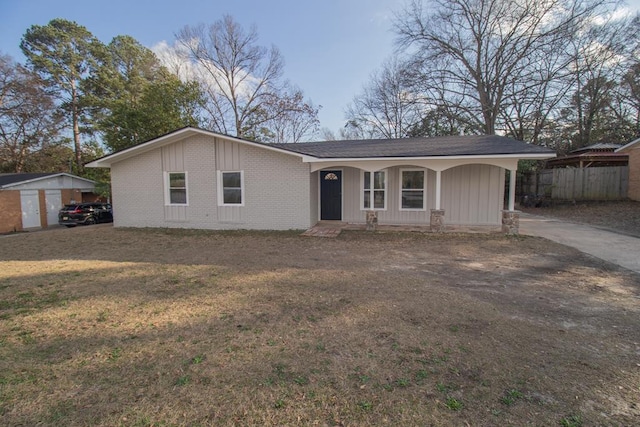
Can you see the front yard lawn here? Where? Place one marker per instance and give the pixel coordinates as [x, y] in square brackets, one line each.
[106, 327]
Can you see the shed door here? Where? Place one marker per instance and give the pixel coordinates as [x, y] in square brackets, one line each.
[53, 199]
[331, 195]
[30, 208]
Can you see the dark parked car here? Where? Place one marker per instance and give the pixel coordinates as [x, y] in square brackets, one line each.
[85, 214]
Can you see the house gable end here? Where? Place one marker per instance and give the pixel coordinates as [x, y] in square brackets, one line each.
[173, 137]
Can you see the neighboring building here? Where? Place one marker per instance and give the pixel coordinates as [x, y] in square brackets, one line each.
[194, 178]
[32, 200]
[597, 155]
[632, 149]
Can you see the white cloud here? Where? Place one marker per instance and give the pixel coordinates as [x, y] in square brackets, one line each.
[178, 60]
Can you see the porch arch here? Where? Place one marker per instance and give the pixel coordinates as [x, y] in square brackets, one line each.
[438, 165]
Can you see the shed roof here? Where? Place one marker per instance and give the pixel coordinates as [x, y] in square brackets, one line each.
[17, 178]
[599, 146]
[13, 179]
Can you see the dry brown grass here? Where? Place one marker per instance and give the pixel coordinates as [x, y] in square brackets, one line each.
[108, 327]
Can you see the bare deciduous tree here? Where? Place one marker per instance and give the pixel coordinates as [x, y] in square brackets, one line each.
[297, 120]
[242, 80]
[28, 122]
[387, 107]
[483, 54]
[630, 95]
[598, 61]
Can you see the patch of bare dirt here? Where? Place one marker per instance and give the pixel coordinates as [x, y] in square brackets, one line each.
[622, 216]
[102, 326]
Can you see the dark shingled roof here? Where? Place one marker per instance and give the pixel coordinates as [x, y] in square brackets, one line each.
[600, 146]
[471, 145]
[13, 178]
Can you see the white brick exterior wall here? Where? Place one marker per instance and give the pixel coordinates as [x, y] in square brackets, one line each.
[137, 192]
[276, 189]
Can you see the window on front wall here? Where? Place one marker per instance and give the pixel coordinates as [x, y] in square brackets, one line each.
[176, 188]
[374, 190]
[412, 190]
[230, 188]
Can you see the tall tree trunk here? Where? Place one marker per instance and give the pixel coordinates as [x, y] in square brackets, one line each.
[20, 161]
[76, 128]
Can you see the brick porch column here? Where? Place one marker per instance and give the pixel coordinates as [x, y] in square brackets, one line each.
[437, 220]
[511, 222]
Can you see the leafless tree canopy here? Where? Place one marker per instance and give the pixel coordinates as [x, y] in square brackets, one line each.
[387, 107]
[244, 82]
[28, 122]
[519, 67]
[485, 52]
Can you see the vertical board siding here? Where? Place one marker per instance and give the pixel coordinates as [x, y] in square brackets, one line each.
[173, 161]
[314, 191]
[351, 196]
[199, 159]
[229, 158]
[473, 194]
[393, 214]
[228, 155]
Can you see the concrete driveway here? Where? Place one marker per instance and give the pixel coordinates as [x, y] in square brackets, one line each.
[617, 248]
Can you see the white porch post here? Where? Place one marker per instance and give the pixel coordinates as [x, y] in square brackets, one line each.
[512, 189]
[438, 187]
[436, 221]
[511, 217]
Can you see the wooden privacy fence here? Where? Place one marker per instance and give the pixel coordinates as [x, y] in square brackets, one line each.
[601, 183]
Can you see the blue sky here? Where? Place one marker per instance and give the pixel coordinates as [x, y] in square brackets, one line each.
[331, 47]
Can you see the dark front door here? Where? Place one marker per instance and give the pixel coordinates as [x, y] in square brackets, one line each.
[331, 195]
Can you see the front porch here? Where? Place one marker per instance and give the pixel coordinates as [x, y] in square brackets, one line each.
[426, 196]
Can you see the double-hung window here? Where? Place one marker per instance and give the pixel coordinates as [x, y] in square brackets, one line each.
[412, 189]
[230, 188]
[374, 190]
[176, 188]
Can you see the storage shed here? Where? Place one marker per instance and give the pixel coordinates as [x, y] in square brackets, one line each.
[32, 200]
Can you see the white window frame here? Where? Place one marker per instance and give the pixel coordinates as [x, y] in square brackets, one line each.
[221, 188]
[372, 190]
[424, 190]
[167, 188]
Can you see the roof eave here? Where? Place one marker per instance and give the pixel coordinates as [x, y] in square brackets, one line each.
[532, 156]
[628, 146]
[29, 181]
